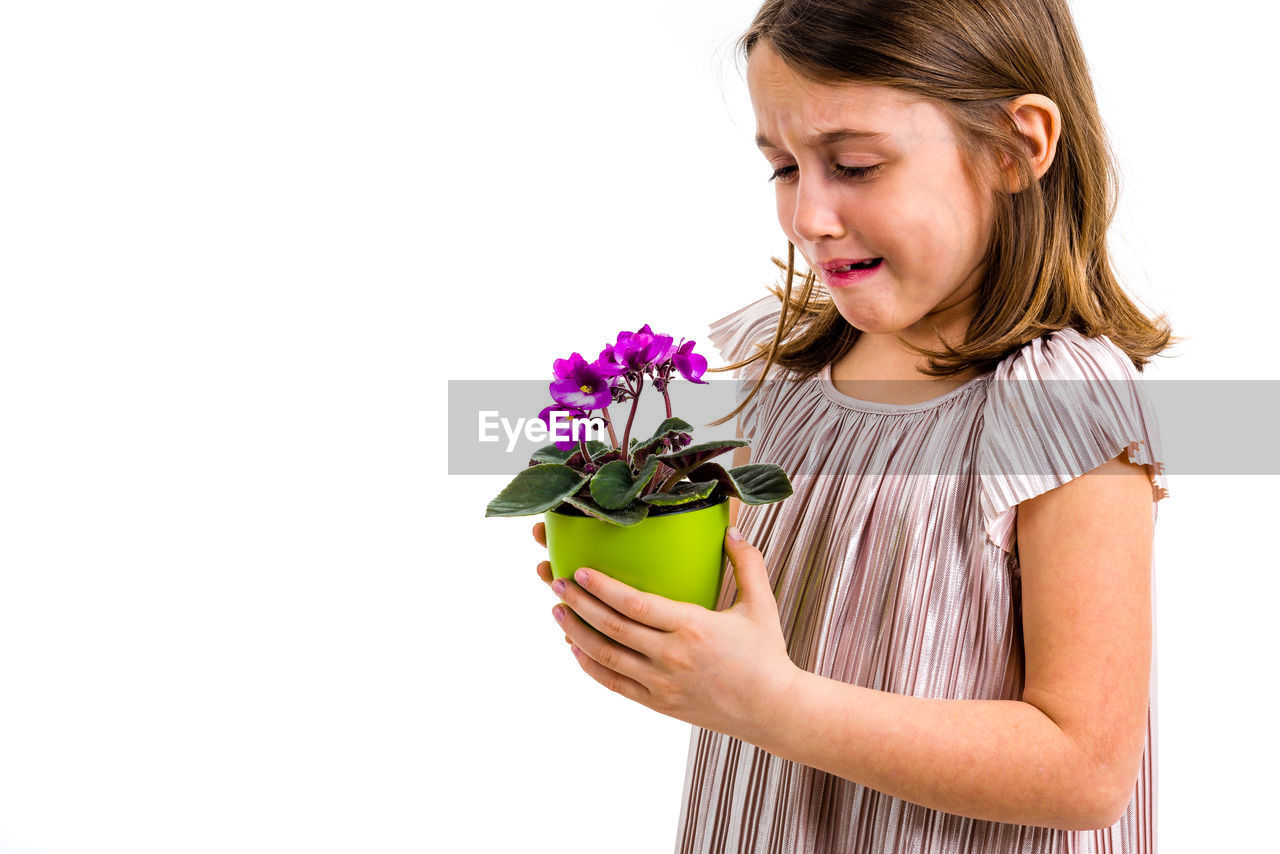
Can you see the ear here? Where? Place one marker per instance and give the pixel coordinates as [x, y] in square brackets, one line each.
[1040, 123]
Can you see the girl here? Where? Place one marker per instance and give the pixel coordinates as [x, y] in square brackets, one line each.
[942, 641]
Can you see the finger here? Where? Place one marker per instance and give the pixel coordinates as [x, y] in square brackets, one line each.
[748, 569]
[647, 609]
[609, 622]
[544, 571]
[614, 681]
[540, 534]
[623, 663]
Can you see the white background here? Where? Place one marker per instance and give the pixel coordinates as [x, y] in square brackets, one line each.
[245, 245]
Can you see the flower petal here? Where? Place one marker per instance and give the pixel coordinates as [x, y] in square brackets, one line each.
[691, 365]
[564, 368]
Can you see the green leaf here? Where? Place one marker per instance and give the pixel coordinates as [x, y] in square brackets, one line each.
[550, 454]
[641, 454]
[666, 439]
[672, 425]
[756, 483]
[536, 489]
[696, 455]
[682, 493]
[626, 517]
[600, 453]
[613, 487]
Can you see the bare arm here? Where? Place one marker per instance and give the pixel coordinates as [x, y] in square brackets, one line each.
[1067, 754]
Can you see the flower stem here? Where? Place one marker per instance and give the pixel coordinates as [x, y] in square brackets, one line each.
[675, 477]
[608, 420]
[626, 434]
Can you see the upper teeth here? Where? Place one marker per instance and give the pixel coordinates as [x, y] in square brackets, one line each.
[847, 267]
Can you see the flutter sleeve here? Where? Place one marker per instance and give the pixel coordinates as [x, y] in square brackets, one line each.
[736, 335]
[1060, 407]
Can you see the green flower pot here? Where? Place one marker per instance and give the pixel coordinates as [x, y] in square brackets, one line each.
[678, 555]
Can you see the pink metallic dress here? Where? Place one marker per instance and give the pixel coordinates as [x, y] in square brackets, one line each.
[895, 568]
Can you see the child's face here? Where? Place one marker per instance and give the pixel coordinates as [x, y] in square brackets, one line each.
[908, 201]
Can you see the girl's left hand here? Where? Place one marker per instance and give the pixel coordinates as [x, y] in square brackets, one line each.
[721, 670]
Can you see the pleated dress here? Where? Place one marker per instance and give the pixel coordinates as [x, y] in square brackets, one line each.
[895, 567]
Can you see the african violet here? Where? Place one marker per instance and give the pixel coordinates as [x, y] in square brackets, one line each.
[661, 473]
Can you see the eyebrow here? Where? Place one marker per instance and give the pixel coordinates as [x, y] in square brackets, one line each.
[833, 137]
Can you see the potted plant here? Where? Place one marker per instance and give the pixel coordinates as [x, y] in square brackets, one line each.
[650, 512]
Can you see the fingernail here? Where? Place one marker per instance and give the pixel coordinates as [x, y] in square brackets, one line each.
[734, 533]
[558, 586]
[558, 613]
[582, 577]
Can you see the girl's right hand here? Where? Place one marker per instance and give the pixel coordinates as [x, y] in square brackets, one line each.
[544, 568]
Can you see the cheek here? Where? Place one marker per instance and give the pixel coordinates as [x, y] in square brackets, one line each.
[956, 219]
[928, 226]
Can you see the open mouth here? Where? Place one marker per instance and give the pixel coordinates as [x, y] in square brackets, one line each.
[861, 265]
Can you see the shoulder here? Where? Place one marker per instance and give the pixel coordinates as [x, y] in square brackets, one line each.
[1059, 407]
[736, 334]
[1067, 354]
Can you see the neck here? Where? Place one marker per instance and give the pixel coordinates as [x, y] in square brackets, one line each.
[878, 368]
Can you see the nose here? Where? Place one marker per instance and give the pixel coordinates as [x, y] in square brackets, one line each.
[817, 214]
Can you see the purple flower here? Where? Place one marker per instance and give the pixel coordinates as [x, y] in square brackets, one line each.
[641, 349]
[582, 384]
[613, 358]
[690, 364]
[567, 421]
[666, 355]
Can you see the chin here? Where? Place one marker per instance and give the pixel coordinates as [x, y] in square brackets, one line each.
[870, 322]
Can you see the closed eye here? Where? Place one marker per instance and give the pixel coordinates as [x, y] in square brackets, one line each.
[782, 174]
[856, 173]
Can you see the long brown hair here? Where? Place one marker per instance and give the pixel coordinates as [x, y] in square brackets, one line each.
[1047, 267]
